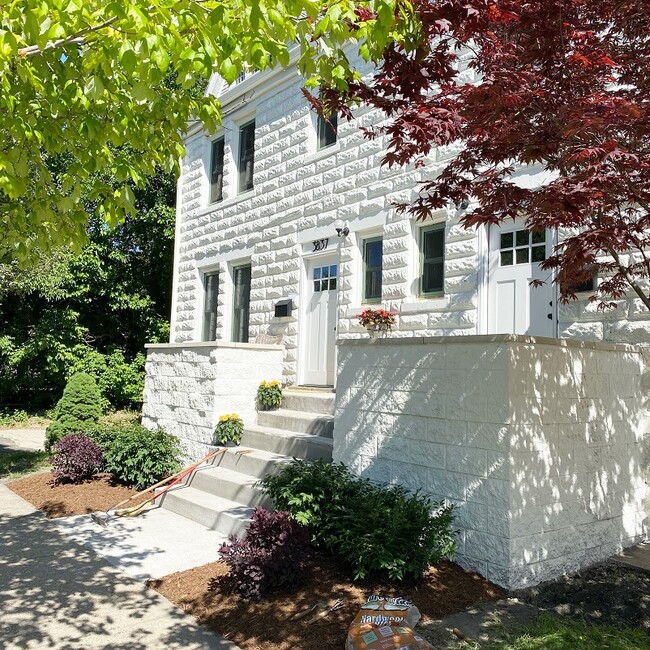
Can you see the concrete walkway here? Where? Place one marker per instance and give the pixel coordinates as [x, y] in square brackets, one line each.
[55, 593]
[13, 439]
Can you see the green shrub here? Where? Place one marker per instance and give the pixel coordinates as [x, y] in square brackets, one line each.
[137, 456]
[378, 531]
[78, 409]
[10, 419]
[269, 394]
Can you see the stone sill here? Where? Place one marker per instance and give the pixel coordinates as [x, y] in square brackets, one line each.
[212, 344]
[493, 338]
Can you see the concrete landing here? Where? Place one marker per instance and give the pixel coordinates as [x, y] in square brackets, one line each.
[637, 557]
[55, 593]
[152, 545]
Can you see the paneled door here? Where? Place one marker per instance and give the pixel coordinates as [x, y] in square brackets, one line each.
[319, 340]
[514, 306]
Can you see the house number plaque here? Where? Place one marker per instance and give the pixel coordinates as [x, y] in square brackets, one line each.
[320, 245]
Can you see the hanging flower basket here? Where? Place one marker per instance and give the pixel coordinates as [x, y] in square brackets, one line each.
[378, 330]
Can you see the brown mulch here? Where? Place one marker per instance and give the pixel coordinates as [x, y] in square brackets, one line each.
[65, 499]
[265, 624]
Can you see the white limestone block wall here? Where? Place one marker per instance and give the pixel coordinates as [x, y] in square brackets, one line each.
[538, 442]
[188, 386]
[299, 192]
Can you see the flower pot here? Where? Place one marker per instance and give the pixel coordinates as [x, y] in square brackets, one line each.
[377, 331]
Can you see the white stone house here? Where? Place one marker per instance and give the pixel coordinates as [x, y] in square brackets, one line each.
[499, 423]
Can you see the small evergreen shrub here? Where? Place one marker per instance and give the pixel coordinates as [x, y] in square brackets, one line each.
[137, 456]
[78, 409]
[75, 458]
[229, 427]
[269, 394]
[378, 531]
[271, 556]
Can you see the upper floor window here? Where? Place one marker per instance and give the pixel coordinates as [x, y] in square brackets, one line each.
[432, 259]
[210, 304]
[372, 269]
[246, 156]
[327, 128]
[216, 171]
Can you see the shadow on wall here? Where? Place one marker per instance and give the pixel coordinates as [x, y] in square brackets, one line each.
[54, 593]
[539, 443]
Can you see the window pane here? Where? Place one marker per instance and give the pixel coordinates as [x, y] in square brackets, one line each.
[246, 156]
[434, 243]
[523, 237]
[317, 273]
[216, 171]
[506, 239]
[539, 253]
[333, 271]
[325, 271]
[522, 255]
[332, 284]
[432, 277]
[539, 237]
[327, 127]
[506, 258]
[373, 253]
[373, 285]
[316, 286]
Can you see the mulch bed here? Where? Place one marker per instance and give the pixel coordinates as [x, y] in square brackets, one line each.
[266, 624]
[65, 499]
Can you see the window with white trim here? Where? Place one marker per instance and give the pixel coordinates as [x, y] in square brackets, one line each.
[432, 260]
[372, 268]
[327, 130]
[216, 170]
[210, 305]
[246, 158]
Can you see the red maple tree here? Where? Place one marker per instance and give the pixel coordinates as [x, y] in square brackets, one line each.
[559, 84]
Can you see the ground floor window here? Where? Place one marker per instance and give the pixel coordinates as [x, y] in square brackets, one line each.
[241, 303]
[432, 260]
[372, 269]
[210, 303]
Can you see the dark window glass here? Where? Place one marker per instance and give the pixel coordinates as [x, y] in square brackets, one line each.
[506, 258]
[210, 304]
[216, 171]
[241, 303]
[432, 255]
[539, 237]
[327, 127]
[506, 240]
[522, 255]
[523, 237]
[539, 253]
[246, 156]
[372, 264]
[587, 285]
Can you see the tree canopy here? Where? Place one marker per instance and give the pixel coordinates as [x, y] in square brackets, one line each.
[558, 85]
[82, 79]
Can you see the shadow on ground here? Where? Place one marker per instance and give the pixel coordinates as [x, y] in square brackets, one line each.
[55, 593]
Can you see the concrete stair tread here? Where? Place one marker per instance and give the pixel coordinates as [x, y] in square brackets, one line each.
[268, 456]
[303, 415]
[310, 437]
[229, 475]
[313, 390]
[224, 507]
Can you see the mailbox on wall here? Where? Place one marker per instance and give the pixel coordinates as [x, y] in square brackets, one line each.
[283, 307]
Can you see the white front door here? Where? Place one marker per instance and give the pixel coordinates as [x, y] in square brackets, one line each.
[320, 336]
[514, 306]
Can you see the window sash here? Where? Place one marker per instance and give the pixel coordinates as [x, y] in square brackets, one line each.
[372, 274]
[216, 171]
[246, 156]
[241, 303]
[327, 130]
[210, 306]
[432, 266]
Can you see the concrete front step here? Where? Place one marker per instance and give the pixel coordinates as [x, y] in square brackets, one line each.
[315, 424]
[257, 463]
[288, 443]
[215, 513]
[309, 401]
[227, 484]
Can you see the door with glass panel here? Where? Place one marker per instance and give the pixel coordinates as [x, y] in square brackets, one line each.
[514, 306]
[320, 324]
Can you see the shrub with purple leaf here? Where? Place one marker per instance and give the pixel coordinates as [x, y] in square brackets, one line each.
[271, 556]
[76, 457]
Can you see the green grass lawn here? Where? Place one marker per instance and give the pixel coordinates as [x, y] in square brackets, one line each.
[553, 633]
[16, 463]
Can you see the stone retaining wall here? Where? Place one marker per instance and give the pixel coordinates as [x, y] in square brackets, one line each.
[538, 441]
[188, 386]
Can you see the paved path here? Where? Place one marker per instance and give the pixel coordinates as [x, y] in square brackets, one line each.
[55, 593]
[14, 439]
